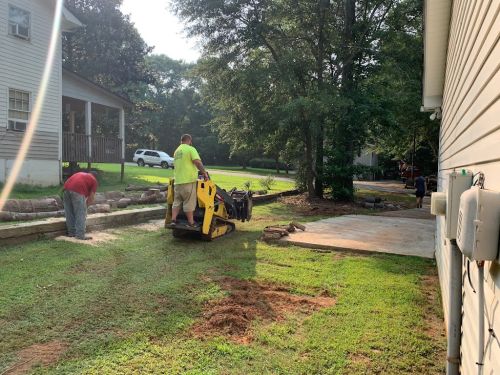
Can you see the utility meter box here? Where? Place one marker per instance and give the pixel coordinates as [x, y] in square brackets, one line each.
[478, 226]
[438, 204]
[458, 183]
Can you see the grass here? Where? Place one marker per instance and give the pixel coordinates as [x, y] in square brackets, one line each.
[127, 306]
[259, 171]
[110, 180]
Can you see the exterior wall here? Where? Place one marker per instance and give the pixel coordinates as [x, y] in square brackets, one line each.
[367, 158]
[34, 172]
[470, 139]
[21, 67]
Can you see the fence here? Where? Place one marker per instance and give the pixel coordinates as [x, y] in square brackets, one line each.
[104, 149]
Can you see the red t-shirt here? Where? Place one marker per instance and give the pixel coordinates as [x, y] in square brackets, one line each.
[81, 183]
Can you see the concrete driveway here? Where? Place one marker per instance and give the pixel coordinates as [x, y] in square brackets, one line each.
[378, 234]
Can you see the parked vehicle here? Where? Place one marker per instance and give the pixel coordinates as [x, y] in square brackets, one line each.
[153, 157]
[407, 173]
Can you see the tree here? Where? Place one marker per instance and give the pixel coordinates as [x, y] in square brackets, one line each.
[109, 49]
[395, 90]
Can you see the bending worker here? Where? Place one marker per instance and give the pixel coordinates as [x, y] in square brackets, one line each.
[79, 192]
[187, 163]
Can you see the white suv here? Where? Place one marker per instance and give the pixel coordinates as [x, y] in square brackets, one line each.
[153, 157]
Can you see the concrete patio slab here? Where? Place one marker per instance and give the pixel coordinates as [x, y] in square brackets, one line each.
[403, 236]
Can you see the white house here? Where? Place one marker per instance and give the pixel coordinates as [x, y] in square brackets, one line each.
[462, 86]
[25, 30]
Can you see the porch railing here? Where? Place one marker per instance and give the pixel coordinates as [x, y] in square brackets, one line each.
[103, 150]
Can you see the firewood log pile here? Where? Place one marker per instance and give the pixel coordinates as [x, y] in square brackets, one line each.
[33, 209]
[275, 232]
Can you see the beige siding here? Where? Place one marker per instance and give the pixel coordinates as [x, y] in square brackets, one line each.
[45, 145]
[21, 67]
[470, 138]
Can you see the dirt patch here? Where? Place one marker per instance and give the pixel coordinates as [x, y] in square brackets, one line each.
[434, 323]
[306, 206]
[98, 238]
[37, 354]
[249, 301]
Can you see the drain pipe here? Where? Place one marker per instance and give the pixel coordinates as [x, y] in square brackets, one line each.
[455, 305]
[480, 295]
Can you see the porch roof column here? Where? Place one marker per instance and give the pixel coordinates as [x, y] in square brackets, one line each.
[122, 138]
[88, 129]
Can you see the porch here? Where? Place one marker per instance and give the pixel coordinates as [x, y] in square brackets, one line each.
[93, 123]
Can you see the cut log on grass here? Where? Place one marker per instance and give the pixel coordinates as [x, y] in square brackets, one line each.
[298, 226]
[115, 195]
[124, 203]
[33, 205]
[99, 209]
[145, 188]
[26, 216]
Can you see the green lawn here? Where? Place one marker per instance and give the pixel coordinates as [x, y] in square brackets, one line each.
[259, 171]
[129, 306]
[110, 180]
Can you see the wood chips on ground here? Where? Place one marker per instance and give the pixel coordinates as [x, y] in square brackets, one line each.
[250, 301]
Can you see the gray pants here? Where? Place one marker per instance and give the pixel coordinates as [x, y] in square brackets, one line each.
[75, 208]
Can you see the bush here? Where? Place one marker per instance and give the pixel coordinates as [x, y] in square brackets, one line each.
[267, 183]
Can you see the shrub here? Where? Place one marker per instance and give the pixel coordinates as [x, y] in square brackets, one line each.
[267, 183]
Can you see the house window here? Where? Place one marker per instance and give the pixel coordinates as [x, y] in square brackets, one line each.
[19, 109]
[19, 22]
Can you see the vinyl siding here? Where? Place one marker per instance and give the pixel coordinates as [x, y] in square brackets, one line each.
[470, 138]
[21, 67]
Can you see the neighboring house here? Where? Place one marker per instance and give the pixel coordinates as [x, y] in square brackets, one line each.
[462, 81]
[25, 29]
[368, 158]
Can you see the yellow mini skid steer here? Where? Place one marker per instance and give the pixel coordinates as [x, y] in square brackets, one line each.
[214, 211]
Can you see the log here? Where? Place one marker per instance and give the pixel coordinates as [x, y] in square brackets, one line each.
[298, 226]
[99, 209]
[25, 216]
[100, 198]
[145, 188]
[33, 205]
[276, 229]
[124, 203]
[115, 195]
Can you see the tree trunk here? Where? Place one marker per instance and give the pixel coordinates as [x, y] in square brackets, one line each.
[343, 141]
[320, 136]
[309, 161]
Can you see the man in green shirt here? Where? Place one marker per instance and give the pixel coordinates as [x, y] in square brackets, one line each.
[187, 163]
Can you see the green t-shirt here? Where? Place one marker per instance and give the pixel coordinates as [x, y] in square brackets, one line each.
[185, 171]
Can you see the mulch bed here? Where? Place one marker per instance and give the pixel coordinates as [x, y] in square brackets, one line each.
[306, 206]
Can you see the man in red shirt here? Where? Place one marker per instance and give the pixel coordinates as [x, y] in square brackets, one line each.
[79, 192]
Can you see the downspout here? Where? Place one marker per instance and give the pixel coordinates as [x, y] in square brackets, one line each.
[455, 305]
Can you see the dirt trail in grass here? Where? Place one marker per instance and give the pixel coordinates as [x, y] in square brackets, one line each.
[249, 301]
[36, 354]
